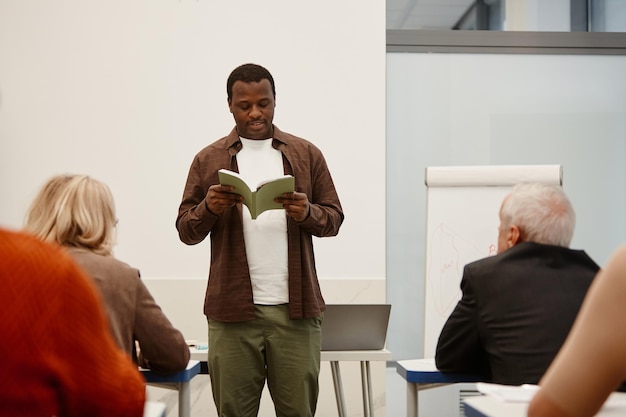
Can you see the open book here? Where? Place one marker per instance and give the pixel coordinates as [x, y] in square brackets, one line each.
[259, 198]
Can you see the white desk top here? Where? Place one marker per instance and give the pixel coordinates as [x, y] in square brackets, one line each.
[419, 365]
[154, 409]
[198, 354]
[487, 406]
[327, 355]
[356, 355]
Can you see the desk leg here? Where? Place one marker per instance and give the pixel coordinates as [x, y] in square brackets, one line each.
[412, 392]
[184, 400]
[366, 382]
[341, 403]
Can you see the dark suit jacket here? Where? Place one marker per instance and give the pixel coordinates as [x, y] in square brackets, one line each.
[516, 310]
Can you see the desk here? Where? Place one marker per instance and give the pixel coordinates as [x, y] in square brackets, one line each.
[154, 409]
[363, 356]
[487, 406]
[179, 381]
[334, 357]
[423, 374]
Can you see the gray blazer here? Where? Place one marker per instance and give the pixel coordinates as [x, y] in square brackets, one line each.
[134, 315]
[516, 310]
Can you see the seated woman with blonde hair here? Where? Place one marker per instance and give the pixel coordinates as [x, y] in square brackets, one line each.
[592, 362]
[78, 212]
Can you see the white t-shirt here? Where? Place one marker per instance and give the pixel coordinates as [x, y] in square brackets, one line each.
[266, 236]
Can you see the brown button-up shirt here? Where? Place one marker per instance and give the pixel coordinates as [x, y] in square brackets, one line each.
[229, 290]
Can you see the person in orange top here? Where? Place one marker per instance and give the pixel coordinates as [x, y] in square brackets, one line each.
[58, 356]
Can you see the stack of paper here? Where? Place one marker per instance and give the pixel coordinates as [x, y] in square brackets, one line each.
[524, 393]
[509, 393]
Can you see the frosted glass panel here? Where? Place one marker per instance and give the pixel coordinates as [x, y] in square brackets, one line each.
[479, 109]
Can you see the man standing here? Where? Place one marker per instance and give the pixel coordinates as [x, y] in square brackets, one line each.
[518, 306]
[263, 301]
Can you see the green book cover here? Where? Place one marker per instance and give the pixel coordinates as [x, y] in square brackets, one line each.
[259, 198]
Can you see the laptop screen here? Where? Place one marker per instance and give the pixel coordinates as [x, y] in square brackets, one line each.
[355, 326]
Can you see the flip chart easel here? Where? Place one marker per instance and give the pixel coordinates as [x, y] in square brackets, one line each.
[463, 204]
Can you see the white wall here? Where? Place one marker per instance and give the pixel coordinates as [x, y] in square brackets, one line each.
[129, 91]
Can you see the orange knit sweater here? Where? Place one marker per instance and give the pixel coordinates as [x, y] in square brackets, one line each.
[57, 357]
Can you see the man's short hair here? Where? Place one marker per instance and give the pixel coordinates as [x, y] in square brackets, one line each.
[248, 73]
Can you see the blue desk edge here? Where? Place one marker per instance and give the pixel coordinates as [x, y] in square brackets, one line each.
[435, 377]
[192, 370]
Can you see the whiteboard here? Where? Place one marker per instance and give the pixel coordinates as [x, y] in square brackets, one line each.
[463, 205]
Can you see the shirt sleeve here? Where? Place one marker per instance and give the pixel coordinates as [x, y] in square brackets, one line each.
[326, 214]
[162, 347]
[459, 349]
[195, 220]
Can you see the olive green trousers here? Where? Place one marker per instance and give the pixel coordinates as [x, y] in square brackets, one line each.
[272, 347]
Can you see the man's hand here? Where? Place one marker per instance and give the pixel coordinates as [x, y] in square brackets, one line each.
[220, 198]
[295, 204]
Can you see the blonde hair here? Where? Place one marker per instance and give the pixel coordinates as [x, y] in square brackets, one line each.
[74, 210]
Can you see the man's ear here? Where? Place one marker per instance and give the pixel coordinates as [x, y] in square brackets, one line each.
[514, 236]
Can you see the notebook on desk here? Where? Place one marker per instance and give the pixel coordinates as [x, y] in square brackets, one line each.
[355, 326]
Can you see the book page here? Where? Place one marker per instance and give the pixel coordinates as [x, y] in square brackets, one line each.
[233, 178]
[268, 191]
[262, 198]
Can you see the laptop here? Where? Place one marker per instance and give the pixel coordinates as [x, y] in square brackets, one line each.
[355, 326]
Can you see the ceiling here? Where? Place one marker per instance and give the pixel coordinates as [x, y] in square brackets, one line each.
[425, 14]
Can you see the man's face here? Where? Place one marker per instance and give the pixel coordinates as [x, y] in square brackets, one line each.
[252, 106]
